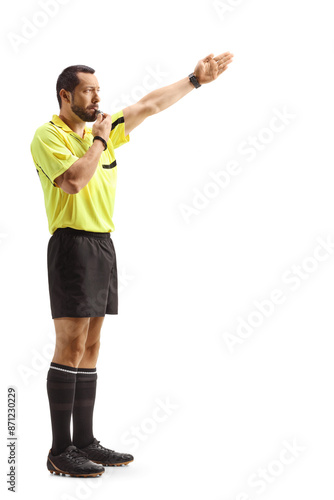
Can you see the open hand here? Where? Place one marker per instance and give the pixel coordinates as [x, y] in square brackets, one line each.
[209, 68]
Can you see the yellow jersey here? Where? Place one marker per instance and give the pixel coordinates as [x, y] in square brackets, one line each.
[54, 148]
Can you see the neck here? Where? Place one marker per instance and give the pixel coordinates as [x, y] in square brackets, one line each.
[75, 124]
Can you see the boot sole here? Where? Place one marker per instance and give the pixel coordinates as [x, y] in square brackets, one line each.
[112, 465]
[59, 472]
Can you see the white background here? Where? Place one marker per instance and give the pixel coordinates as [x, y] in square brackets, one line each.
[185, 284]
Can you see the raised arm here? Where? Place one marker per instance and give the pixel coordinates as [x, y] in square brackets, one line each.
[206, 70]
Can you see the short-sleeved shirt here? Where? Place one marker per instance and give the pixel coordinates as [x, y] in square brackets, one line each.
[54, 148]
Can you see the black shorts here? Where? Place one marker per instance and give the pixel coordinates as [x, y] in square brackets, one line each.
[82, 274]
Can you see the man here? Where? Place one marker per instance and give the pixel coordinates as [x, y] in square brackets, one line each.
[77, 170]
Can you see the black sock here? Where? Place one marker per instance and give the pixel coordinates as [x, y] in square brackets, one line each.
[61, 381]
[83, 407]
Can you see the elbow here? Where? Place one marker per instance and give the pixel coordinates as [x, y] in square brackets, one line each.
[69, 184]
[152, 109]
[71, 187]
[149, 106]
[75, 188]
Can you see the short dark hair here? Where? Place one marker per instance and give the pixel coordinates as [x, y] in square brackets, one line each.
[68, 78]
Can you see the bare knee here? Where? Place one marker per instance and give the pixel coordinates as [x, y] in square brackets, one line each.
[76, 348]
[70, 352]
[91, 353]
[93, 348]
[92, 345]
[70, 345]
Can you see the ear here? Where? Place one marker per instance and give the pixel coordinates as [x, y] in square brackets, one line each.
[64, 94]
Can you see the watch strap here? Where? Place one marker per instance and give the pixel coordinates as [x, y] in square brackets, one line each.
[194, 80]
[102, 140]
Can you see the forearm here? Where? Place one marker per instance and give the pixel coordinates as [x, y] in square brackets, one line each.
[82, 170]
[164, 97]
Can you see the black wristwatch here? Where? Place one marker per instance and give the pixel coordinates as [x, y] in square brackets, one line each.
[102, 140]
[194, 81]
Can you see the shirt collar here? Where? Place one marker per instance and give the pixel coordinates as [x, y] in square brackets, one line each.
[57, 121]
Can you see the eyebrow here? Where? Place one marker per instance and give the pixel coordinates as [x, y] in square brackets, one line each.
[91, 87]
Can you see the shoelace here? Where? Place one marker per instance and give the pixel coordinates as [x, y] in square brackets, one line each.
[102, 447]
[77, 455]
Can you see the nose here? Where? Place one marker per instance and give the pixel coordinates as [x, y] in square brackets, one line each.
[96, 98]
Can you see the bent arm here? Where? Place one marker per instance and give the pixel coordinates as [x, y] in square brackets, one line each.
[80, 173]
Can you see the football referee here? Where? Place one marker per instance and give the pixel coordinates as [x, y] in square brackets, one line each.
[77, 169]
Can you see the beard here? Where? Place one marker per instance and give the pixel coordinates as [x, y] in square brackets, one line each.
[84, 114]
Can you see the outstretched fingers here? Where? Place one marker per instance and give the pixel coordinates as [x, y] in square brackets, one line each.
[223, 57]
[223, 61]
